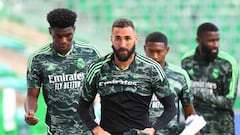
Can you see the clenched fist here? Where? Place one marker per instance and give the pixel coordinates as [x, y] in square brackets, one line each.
[30, 118]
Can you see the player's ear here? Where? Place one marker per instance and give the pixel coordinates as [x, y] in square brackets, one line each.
[74, 28]
[168, 48]
[136, 37]
[145, 48]
[198, 40]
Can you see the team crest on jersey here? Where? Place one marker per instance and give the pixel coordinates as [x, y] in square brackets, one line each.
[80, 63]
[215, 73]
[51, 68]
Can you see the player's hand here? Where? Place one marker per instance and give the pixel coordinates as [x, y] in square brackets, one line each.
[148, 131]
[100, 131]
[30, 118]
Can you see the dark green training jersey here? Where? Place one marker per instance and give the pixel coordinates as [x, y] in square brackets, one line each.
[125, 94]
[61, 79]
[179, 83]
[214, 86]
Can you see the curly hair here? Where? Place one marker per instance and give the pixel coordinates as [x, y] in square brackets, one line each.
[61, 18]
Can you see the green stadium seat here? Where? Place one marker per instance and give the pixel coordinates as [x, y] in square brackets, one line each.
[6, 71]
[83, 6]
[108, 12]
[17, 83]
[10, 43]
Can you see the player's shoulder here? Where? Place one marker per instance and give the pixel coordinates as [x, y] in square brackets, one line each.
[146, 60]
[86, 47]
[227, 59]
[174, 67]
[188, 55]
[177, 69]
[40, 54]
[148, 64]
[101, 61]
[44, 50]
[226, 56]
[96, 66]
[82, 44]
[104, 59]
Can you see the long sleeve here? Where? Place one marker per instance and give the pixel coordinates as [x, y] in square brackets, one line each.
[226, 99]
[84, 113]
[168, 113]
[218, 101]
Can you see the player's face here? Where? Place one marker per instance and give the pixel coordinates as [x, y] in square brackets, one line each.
[209, 44]
[123, 41]
[156, 51]
[62, 38]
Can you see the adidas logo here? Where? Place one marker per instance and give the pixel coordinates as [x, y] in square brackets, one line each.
[51, 68]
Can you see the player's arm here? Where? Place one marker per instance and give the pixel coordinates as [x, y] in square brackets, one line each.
[161, 89]
[84, 113]
[187, 97]
[218, 101]
[168, 113]
[222, 101]
[188, 110]
[88, 94]
[30, 106]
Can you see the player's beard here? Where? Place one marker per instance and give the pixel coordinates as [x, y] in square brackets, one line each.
[209, 55]
[123, 58]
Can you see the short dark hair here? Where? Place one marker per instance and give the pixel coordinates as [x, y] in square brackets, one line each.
[206, 27]
[156, 37]
[123, 22]
[61, 18]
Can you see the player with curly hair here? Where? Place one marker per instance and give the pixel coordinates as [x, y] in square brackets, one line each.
[58, 69]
